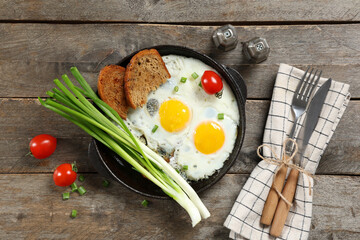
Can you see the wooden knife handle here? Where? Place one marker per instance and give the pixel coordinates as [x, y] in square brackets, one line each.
[273, 198]
[283, 209]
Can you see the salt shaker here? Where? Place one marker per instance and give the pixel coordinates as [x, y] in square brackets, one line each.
[225, 37]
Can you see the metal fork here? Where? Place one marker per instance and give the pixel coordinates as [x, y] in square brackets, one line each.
[300, 100]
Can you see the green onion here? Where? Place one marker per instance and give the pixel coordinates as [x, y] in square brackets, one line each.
[185, 167]
[105, 183]
[176, 88]
[194, 75]
[74, 167]
[81, 178]
[81, 190]
[200, 85]
[73, 213]
[145, 203]
[154, 128]
[183, 79]
[66, 195]
[220, 116]
[105, 125]
[177, 170]
[74, 187]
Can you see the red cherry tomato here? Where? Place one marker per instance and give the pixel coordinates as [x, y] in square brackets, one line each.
[64, 175]
[42, 146]
[211, 82]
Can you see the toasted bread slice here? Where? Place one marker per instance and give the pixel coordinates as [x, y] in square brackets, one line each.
[111, 88]
[145, 73]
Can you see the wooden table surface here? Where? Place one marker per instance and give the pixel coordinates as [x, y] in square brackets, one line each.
[40, 40]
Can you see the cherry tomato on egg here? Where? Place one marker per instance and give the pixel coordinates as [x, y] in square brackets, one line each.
[211, 82]
[64, 175]
[42, 146]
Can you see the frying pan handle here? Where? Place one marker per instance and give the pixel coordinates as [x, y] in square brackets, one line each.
[96, 162]
[239, 81]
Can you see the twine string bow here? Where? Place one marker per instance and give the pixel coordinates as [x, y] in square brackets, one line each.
[284, 161]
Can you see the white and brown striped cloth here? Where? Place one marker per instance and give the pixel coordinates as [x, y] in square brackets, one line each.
[244, 218]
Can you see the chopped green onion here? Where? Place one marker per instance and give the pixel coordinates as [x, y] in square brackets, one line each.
[74, 187]
[81, 178]
[194, 75]
[154, 128]
[74, 167]
[105, 183]
[81, 190]
[66, 195]
[176, 88]
[103, 123]
[200, 85]
[220, 116]
[177, 170]
[145, 203]
[185, 167]
[183, 79]
[73, 213]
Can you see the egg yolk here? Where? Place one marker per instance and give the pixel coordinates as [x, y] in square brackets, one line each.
[209, 137]
[174, 115]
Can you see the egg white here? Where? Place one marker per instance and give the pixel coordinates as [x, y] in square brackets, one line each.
[142, 122]
[201, 165]
[203, 107]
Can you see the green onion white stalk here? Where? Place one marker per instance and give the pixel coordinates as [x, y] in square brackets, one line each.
[70, 102]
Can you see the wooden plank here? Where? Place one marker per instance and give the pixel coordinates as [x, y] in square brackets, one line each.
[35, 210]
[33, 79]
[218, 11]
[22, 119]
[260, 79]
[14, 160]
[32, 55]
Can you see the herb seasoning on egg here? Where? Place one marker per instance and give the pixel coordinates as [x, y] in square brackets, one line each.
[152, 106]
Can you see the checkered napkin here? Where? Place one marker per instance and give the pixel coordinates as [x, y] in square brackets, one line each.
[244, 218]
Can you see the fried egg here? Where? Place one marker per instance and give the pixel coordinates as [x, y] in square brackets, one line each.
[180, 121]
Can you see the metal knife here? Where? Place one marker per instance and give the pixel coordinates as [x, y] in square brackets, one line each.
[312, 118]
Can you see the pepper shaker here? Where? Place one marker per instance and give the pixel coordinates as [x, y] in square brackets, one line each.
[256, 50]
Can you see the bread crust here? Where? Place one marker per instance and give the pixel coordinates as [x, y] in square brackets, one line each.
[128, 84]
[111, 88]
